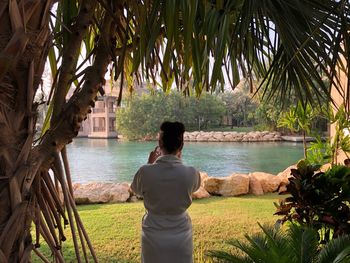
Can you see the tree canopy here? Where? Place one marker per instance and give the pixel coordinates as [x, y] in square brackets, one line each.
[143, 115]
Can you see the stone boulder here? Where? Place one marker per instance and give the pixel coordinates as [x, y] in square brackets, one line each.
[269, 182]
[255, 187]
[286, 173]
[284, 176]
[203, 176]
[282, 188]
[101, 193]
[200, 193]
[233, 185]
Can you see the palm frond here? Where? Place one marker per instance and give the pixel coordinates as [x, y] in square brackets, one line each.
[303, 242]
[336, 251]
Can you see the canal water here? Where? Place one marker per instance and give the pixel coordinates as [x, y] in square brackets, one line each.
[103, 160]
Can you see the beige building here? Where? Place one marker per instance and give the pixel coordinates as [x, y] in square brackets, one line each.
[101, 122]
[340, 97]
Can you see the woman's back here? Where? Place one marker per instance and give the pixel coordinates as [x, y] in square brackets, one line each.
[167, 185]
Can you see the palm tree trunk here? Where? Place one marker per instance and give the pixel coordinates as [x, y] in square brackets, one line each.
[27, 192]
[24, 42]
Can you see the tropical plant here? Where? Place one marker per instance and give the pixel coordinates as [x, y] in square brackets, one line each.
[319, 200]
[341, 138]
[321, 152]
[299, 118]
[181, 42]
[297, 244]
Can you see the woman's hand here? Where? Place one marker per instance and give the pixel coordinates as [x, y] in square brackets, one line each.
[153, 155]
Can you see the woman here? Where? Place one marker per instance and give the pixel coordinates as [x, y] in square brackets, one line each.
[167, 186]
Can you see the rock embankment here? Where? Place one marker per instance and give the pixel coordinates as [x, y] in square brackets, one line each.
[256, 136]
[236, 184]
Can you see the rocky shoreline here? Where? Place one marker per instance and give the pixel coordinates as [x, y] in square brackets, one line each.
[236, 184]
[254, 136]
[228, 136]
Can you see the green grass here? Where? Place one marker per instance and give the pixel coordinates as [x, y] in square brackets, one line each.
[114, 229]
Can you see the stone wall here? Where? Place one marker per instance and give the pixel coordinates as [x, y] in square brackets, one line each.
[256, 136]
[257, 183]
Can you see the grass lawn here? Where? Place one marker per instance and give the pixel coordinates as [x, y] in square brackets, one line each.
[114, 229]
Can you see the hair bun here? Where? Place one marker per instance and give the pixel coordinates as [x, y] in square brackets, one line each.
[172, 136]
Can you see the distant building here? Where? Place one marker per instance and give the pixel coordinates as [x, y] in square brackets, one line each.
[100, 123]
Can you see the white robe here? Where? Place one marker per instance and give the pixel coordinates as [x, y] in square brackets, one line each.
[167, 187]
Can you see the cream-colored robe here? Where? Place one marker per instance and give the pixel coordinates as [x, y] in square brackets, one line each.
[166, 187]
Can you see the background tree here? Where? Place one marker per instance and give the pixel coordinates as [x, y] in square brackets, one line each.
[267, 115]
[143, 115]
[290, 44]
[240, 107]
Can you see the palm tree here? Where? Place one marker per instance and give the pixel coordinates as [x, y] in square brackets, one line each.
[297, 244]
[190, 43]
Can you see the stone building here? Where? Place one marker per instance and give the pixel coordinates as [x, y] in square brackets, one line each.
[101, 122]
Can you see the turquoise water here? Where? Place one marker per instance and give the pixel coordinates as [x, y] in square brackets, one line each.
[112, 161]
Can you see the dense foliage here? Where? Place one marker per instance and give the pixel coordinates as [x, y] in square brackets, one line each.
[240, 108]
[142, 116]
[318, 199]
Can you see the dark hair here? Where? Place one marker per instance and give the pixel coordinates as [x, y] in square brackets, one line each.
[172, 135]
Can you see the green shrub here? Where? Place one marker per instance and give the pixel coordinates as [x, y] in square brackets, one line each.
[297, 244]
[318, 199]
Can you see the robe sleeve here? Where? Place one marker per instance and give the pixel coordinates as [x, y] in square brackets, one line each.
[136, 185]
[197, 182]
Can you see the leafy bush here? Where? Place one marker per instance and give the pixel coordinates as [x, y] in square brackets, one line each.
[297, 244]
[144, 114]
[318, 199]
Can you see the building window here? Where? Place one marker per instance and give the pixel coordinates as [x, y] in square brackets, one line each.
[111, 107]
[112, 124]
[99, 107]
[99, 124]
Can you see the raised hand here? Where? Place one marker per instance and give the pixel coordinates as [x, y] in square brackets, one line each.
[153, 155]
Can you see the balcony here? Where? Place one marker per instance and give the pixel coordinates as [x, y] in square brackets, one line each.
[99, 129]
[98, 110]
